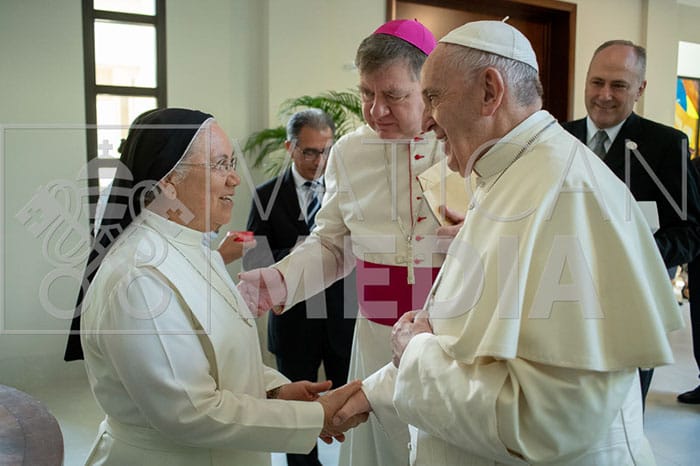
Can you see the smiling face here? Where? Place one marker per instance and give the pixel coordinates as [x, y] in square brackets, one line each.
[205, 189]
[391, 101]
[613, 85]
[452, 109]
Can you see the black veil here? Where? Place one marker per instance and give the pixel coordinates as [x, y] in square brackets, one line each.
[156, 142]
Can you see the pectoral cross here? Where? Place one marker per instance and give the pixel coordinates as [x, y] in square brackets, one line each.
[408, 260]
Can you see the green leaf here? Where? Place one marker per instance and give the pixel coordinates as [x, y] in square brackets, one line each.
[263, 142]
[344, 107]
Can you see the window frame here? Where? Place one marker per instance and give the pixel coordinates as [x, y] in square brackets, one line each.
[92, 89]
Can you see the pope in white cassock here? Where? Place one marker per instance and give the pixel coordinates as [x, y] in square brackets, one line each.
[527, 350]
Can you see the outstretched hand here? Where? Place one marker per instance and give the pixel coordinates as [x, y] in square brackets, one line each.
[262, 289]
[332, 403]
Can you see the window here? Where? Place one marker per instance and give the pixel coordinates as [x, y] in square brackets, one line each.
[125, 65]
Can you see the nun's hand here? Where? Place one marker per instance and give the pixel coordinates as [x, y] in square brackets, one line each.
[234, 245]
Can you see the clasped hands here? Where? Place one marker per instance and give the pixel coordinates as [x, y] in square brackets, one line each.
[356, 407]
[347, 406]
[344, 407]
[331, 401]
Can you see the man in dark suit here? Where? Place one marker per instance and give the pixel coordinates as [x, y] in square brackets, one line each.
[693, 396]
[659, 168]
[320, 329]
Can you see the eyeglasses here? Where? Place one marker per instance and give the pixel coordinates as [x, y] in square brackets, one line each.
[313, 154]
[223, 166]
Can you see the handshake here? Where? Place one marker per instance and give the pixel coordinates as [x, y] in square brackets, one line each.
[343, 408]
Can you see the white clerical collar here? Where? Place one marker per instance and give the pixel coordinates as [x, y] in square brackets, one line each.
[508, 148]
[612, 132]
[179, 233]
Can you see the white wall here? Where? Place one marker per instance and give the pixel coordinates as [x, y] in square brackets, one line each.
[222, 58]
[238, 59]
[658, 25]
[688, 59]
[596, 22]
[312, 46]
[216, 51]
[41, 83]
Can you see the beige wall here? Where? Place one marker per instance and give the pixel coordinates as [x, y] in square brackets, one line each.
[41, 83]
[656, 24]
[598, 21]
[312, 45]
[238, 59]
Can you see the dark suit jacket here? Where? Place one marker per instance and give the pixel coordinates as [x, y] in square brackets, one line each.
[663, 148]
[292, 331]
[694, 295]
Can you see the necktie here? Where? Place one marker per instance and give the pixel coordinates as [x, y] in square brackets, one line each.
[598, 143]
[312, 202]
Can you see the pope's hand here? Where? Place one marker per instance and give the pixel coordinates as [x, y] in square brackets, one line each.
[357, 404]
[332, 402]
[409, 325]
[262, 289]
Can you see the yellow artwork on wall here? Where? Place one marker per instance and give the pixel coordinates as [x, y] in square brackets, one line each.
[686, 117]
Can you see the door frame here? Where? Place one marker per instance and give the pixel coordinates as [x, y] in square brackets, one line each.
[560, 46]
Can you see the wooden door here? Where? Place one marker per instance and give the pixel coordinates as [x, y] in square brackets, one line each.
[550, 25]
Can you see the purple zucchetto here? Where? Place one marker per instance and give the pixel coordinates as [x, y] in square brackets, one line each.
[411, 31]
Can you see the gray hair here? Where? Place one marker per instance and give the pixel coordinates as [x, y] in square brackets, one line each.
[521, 78]
[639, 51]
[379, 50]
[314, 118]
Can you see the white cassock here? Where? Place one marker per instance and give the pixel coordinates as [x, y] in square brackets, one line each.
[552, 295]
[173, 359]
[374, 216]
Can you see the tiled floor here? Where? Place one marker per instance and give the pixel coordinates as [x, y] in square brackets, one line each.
[673, 429]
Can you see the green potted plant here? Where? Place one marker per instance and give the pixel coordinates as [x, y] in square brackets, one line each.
[266, 147]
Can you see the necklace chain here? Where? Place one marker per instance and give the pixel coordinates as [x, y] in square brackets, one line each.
[528, 143]
[525, 147]
[233, 305]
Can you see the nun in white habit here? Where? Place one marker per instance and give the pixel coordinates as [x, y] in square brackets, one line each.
[172, 354]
